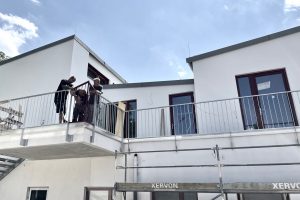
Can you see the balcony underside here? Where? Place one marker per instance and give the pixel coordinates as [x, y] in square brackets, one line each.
[49, 142]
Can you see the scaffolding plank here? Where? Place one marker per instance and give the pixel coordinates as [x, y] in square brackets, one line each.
[243, 187]
[151, 187]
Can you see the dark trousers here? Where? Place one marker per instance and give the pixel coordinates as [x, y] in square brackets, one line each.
[79, 113]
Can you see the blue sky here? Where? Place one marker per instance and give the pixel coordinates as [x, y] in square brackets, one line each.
[143, 40]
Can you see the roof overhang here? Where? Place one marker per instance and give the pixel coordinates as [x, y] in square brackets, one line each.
[266, 38]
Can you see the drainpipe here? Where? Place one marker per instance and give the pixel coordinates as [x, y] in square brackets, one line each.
[135, 174]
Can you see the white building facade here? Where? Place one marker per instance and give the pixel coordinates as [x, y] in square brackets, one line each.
[232, 132]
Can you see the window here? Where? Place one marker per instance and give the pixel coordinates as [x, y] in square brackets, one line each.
[130, 119]
[37, 193]
[95, 193]
[94, 73]
[183, 119]
[174, 196]
[109, 116]
[253, 196]
[273, 107]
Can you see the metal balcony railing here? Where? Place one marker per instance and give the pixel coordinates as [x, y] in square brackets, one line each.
[242, 114]
[41, 110]
[248, 113]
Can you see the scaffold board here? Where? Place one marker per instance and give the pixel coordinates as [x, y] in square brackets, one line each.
[241, 187]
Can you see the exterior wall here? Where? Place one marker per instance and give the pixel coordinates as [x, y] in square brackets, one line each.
[42, 71]
[149, 120]
[215, 76]
[215, 79]
[103, 70]
[36, 73]
[210, 174]
[79, 65]
[288, 173]
[147, 97]
[65, 178]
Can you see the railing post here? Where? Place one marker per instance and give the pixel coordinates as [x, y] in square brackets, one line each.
[95, 114]
[69, 138]
[24, 142]
[125, 175]
[174, 130]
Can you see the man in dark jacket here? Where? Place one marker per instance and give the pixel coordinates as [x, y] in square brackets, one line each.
[61, 95]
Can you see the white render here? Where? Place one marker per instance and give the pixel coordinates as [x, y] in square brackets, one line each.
[65, 178]
[41, 72]
[213, 73]
[148, 97]
[36, 73]
[87, 163]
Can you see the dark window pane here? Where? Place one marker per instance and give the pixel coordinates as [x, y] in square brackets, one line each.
[190, 196]
[269, 109]
[94, 73]
[130, 119]
[166, 195]
[275, 108]
[247, 103]
[244, 86]
[262, 197]
[183, 116]
[38, 194]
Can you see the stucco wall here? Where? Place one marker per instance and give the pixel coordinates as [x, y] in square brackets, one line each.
[79, 65]
[215, 76]
[215, 79]
[149, 121]
[65, 178]
[36, 73]
[103, 70]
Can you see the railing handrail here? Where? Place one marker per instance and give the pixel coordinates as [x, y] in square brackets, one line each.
[43, 94]
[211, 101]
[31, 96]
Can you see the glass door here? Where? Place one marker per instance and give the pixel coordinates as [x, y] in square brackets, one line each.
[273, 107]
[182, 110]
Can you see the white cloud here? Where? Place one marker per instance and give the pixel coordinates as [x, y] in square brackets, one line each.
[226, 7]
[291, 5]
[182, 73]
[14, 31]
[37, 2]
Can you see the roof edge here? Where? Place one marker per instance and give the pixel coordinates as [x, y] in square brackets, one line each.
[60, 42]
[37, 49]
[150, 84]
[99, 59]
[244, 44]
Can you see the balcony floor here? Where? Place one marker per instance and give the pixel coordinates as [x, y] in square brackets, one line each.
[49, 142]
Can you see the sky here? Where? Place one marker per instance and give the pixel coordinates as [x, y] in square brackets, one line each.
[143, 40]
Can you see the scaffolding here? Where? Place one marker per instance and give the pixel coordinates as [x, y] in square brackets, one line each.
[220, 187]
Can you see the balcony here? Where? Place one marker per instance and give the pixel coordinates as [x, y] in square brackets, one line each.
[243, 115]
[30, 128]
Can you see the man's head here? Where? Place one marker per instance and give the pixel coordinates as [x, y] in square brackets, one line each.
[96, 81]
[72, 79]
